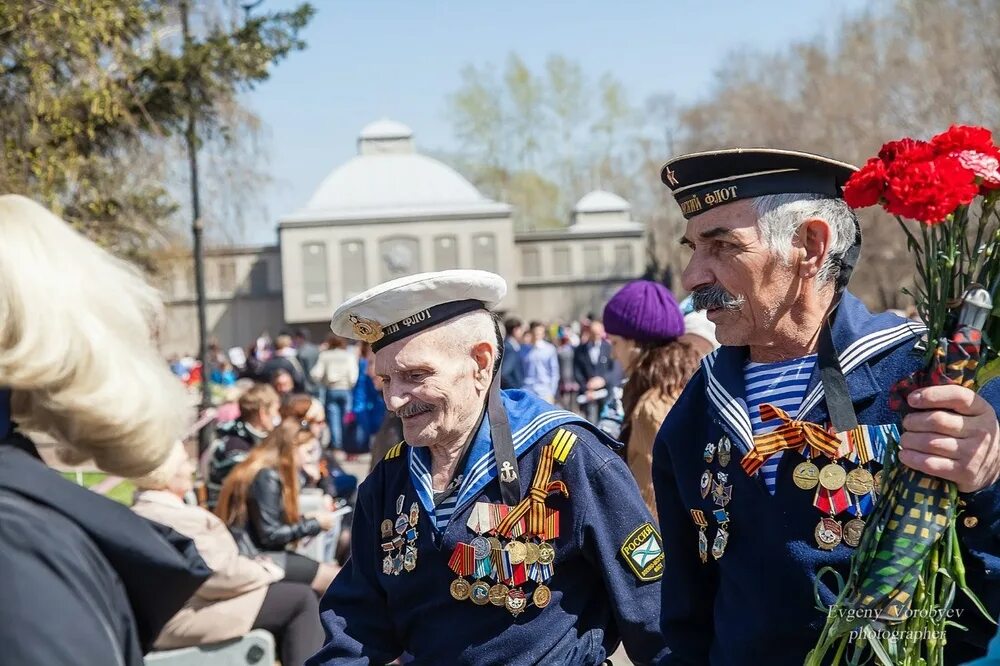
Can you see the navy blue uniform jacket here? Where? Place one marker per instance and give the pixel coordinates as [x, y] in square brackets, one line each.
[371, 617]
[756, 604]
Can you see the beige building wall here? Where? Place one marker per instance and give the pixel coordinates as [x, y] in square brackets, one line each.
[243, 294]
[378, 243]
[569, 274]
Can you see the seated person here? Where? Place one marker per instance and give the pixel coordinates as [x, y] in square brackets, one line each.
[260, 499]
[242, 593]
[258, 415]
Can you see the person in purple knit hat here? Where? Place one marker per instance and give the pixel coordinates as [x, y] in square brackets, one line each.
[644, 325]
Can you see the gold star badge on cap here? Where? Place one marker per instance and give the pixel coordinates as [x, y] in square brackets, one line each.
[366, 329]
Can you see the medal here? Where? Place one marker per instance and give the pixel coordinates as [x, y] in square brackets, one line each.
[860, 481]
[709, 453]
[531, 553]
[805, 475]
[516, 602]
[402, 524]
[414, 514]
[703, 546]
[410, 559]
[498, 594]
[724, 451]
[481, 547]
[832, 476]
[387, 565]
[460, 589]
[480, 593]
[546, 553]
[517, 552]
[542, 596]
[399, 503]
[878, 480]
[495, 543]
[719, 545]
[721, 494]
[721, 516]
[828, 533]
[853, 529]
[386, 528]
[706, 484]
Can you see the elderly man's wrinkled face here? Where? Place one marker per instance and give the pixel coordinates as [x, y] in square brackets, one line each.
[434, 384]
[740, 283]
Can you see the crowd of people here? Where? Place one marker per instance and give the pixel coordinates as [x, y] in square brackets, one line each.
[579, 487]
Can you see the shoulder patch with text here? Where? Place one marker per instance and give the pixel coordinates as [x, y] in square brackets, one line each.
[643, 552]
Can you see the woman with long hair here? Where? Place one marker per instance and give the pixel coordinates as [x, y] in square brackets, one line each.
[644, 323]
[86, 581]
[260, 502]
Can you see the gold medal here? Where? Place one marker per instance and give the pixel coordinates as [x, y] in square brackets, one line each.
[386, 528]
[480, 593]
[531, 553]
[706, 484]
[806, 475]
[498, 594]
[495, 543]
[828, 533]
[832, 477]
[860, 482]
[546, 553]
[517, 552]
[878, 479]
[460, 589]
[542, 596]
[853, 529]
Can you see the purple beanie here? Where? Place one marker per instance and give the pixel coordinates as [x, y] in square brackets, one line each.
[644, 311]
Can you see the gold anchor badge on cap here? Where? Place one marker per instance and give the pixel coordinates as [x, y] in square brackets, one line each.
[368, 330]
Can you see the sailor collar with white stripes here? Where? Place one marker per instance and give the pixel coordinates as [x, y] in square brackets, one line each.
[859, 335]
[530, 420]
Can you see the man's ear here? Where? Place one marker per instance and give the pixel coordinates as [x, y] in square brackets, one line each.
[483, 355]
[814, 237]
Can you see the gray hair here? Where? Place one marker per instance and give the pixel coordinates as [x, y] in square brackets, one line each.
[779, 217]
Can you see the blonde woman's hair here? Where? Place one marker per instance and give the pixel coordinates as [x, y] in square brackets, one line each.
[77, 347]
[161, 477]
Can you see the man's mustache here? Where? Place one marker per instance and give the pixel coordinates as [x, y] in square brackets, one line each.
[713, 297]
[413, 408]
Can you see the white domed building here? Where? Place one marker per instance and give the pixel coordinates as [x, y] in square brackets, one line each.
[390, 211]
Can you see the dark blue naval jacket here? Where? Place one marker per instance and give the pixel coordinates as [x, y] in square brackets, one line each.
[597, 601]
[756, 604]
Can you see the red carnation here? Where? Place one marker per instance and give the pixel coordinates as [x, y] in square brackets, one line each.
[908, 149]
[865, 186]
[964, 137]
[929, 190]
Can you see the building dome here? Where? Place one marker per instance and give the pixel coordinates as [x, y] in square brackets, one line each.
[385, 129]
[389, 179]
[600, 201]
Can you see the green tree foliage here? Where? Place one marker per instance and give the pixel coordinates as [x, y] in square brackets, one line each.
[92, 90]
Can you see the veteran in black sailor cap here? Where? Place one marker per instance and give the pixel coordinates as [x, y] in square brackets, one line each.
[501, 530]
[749, 518]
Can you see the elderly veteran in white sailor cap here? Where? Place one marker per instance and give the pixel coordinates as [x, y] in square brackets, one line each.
[501, 530]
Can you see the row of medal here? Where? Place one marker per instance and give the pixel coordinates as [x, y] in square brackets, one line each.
[500, 567]
[399, 539]
[722, 493]
[837, 491]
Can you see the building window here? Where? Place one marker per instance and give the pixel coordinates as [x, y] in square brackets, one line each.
[227, 277]
[624, 262]
[258, 277]
[315, 282]
[400, 256]
[445, 253]
[592, 262]
[353, 270]
[561, 265]
[531, 263]
[484, 252]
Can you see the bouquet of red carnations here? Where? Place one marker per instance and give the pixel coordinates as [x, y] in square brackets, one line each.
[896, 602]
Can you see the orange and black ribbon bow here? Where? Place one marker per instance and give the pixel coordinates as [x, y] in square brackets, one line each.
[534, 504]
[791, 434]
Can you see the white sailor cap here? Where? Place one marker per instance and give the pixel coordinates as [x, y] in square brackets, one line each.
[399, 308]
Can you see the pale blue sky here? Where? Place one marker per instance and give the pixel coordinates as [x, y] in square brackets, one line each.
[369, 59]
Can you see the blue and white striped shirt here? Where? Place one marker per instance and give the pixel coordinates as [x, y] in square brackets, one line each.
[782, 384]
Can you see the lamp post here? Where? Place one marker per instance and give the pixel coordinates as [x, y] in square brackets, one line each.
[197, 228]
